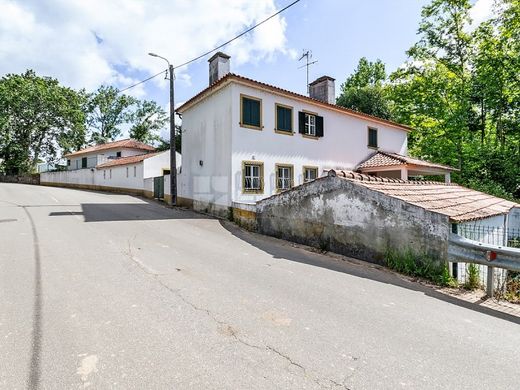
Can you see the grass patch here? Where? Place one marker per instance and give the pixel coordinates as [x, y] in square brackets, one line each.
[420, 265]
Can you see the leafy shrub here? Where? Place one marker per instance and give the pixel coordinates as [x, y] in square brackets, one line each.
[420, 265]
[472, 277]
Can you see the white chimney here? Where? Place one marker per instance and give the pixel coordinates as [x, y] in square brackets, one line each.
[218, 66]
[323, 89]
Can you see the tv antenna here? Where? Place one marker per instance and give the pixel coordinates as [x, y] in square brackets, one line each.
[308, 56]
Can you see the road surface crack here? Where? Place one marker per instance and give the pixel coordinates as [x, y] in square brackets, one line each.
[230, 330]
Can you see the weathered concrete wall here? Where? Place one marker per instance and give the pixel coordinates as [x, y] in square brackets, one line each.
[24, 179]
[343, 217]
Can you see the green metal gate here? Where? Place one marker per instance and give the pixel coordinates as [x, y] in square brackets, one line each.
[158, 187]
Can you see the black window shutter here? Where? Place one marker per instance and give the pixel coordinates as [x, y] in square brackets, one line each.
[301, 122]
[319, 126]
[84, 162]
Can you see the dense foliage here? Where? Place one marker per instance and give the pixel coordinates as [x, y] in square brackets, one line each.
[40, 120]
[459, 91]
[38, 117]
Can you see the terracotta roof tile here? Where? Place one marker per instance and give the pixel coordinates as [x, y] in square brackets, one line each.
[385, 159]
[458, 203]
[126, 160]
[234, 77]
[124, 143]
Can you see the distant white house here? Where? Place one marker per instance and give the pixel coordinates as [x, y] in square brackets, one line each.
[244, 140]
[123, 165]
[95, 155]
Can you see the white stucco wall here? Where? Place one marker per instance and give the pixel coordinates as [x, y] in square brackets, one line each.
[206, 151]
[343, 146]
[514, 218]
[100, 177]
[155, 165]
[212, 134]
[122, 176]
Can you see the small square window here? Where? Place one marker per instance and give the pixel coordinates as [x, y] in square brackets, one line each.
[253, 177]
[118, 154]
[284, 177]
[251, 112]
[309, 174]
[372, 138]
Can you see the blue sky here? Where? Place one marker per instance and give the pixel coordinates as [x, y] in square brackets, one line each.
[88, 43]
[338, 33]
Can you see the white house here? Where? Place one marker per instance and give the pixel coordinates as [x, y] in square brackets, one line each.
[244, 140]
[124, 166]
[93, 156]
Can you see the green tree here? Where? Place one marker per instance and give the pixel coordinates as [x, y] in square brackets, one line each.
[147, 121]
[107, 110]
[365, 91]
[165, 145]
[38, 117]
[460, 92]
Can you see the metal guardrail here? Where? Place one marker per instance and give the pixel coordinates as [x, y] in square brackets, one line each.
[463, 250]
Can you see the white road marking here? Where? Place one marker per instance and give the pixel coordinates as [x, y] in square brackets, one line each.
[88, 366]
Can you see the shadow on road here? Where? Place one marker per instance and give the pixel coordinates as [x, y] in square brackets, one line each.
[105, 212]
[280, 249]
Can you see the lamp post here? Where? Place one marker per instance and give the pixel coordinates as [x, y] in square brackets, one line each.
[173, 160]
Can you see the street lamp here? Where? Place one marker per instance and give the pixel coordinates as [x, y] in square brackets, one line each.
[173, 160]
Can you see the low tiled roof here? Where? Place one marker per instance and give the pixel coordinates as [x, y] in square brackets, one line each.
[124, 143]
[258, 84]
[126, 160]
[459, 203]
[385, 159]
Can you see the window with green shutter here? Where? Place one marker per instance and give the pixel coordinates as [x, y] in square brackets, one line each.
[284, 120]
[251, 112]
[84, 162]
[372, 138]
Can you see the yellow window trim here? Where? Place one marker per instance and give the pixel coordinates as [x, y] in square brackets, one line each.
[306, 167]
[251, 191]
[241, 123]
[291, 167]
[276, 129]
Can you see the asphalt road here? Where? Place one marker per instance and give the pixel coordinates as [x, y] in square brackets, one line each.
[110, 291]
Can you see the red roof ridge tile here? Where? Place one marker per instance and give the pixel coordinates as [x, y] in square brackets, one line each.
[233, 76]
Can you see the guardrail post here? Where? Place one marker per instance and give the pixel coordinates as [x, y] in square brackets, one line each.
[490, 279]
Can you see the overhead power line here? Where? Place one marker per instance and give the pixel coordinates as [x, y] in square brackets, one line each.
[238, 36]
[214, 49]
[143, 81]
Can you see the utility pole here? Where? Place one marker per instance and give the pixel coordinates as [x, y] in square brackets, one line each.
[173, 155]
[308, 55]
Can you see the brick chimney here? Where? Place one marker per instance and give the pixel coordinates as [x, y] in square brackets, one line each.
[323, 89]
[218, 66]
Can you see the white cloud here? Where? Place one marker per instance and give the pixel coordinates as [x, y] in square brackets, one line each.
[87, 43]
[481, 11]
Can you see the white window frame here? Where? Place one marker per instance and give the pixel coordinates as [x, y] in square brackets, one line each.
[284, 181]
[306, 177]
[250, 177]
[310, 124]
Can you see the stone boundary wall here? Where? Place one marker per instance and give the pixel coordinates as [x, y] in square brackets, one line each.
[341, 216]
[22, 179]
